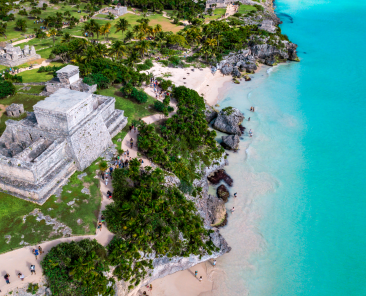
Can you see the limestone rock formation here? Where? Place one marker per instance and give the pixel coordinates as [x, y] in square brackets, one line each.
[210, 113]
[230, 142]
[223, 193]
[228, 121]
[216, 211]
[219, 175]
[236, 72]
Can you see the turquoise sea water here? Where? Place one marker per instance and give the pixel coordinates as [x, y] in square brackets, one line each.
[300, 222]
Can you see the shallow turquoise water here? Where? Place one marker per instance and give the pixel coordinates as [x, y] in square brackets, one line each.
[300, 220]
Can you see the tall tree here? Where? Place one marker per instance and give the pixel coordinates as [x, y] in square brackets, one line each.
[52, 33]
[122, 25]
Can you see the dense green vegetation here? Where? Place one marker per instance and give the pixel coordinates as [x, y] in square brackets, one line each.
[183, 141]
[77, 268]
[147, 216]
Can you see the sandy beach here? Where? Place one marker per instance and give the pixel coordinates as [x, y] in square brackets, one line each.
[201, 80]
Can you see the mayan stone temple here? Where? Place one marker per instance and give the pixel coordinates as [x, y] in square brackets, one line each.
[66, 132]
[11, 56]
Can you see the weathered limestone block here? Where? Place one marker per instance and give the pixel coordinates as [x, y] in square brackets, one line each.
[230, 142]
[14, 110]
[228, 121]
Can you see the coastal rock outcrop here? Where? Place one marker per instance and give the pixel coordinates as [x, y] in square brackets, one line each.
[236, 72]
[228, 121]
[223, 193]
[216, 211]
[230, 142]
[210, 113]
[219, 175]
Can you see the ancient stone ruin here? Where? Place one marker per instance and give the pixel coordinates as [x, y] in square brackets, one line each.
[66, 132]
[267, 25]
[14, 110]
[11, 56]
[68, 77]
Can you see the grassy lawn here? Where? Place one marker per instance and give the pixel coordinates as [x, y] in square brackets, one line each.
[246, 8]
[27, 100]
[34, 76]
[133, 110]
[29, 230]
[217, 13]
[34, 89]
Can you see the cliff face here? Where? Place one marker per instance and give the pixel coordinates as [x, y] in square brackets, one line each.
[211, 209]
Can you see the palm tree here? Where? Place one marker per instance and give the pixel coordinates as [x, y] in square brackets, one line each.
[66, 38]
[158, 28]
[122, 25]
[103, 31]
[87, 29]
[129, 36]
[53, 33]
[95, 27]
[101, 49]
[143, 47]
[118, 49]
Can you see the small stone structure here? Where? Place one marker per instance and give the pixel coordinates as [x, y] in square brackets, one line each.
[11, 56]
[68, 77]
[15, 110]
[117, 11]
[267, 25]
[66, 132]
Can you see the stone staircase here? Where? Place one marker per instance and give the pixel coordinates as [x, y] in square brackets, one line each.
[116, 122]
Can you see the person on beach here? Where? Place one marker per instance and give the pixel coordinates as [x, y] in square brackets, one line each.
[33, 269]
[250, 133]
[21, 276]
[248, 118]
[214, 263]
[36, 253]
[235, 194]
[232, 210]
[100, 226]
[200, 278]
[6, 277]
[195, 273]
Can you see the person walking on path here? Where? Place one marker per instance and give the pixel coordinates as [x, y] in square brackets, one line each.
[200, 278]
[131, 142]
[36, 253]
[103, 175]
[106, 180]
[100, 226]
[33, 269]
[195, 273]
[135, 129]
[6, 277]
[232, 210]
[110, 172]
[21, 276]
[128, 153]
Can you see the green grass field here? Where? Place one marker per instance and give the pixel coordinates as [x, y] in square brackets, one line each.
[217, 13]
[27, 229]
[246, 8]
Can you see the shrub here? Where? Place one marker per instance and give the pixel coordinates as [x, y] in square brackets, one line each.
[175, 60]
[166, 100]
[97, 78]
[139, 95]
[165, 84]
[127, 89]
[159, 106]
[170, 109]
[6, 89]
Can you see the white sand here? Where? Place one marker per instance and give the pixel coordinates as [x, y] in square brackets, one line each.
[201, 80]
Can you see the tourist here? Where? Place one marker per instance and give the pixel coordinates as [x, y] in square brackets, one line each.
[106, 180]
[109, 194]
[235, 194]
[232, 210]
[150, 287]
[102, 175]
[131, 143]
[200, 278]
[40, 250]
[102, 218]
[248, 118]
[214, 263]
[128, 153]
[100, 226]
[33, 269]
[36, 253]
[6, 277]
[21, 276]
[195, 273]
[135, 129]
[250, 133]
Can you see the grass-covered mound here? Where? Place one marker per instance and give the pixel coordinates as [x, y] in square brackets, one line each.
[149, 217]
[77, 268]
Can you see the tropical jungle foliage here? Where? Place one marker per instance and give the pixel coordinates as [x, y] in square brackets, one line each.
[149, 217]
[76, 268]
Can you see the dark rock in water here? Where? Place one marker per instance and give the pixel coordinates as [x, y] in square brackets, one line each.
[292, 54]
[223, 193]
[228, 121]
[230, 142]
[210, 113]
[247, 78]
[242, 128]
[219, 175]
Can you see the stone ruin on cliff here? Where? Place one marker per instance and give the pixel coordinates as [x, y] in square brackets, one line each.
[267, 25]
[66, 132]
[11, 56]
[68, 77]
